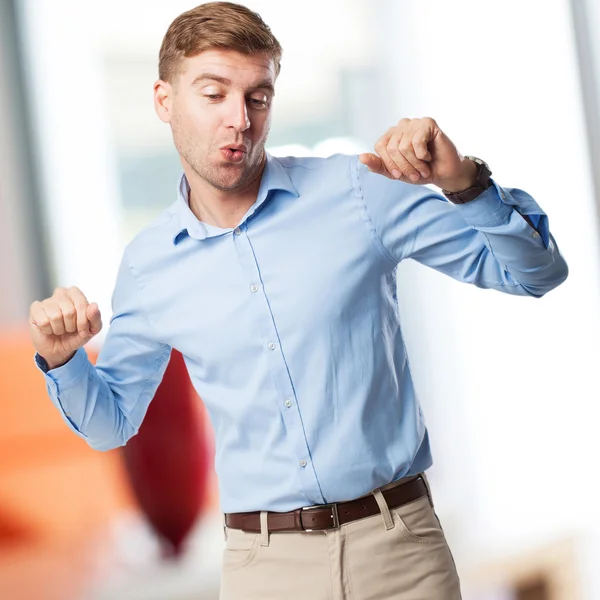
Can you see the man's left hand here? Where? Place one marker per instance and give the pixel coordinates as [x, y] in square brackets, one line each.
[417, 151]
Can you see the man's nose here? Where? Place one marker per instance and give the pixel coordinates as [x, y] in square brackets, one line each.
[237, 115]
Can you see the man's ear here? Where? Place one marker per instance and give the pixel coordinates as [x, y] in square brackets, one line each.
[163, 100]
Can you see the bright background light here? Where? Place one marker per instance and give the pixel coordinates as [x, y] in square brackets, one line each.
[508, 385]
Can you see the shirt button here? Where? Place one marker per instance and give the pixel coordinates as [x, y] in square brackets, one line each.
[535, 234]
[254, 288]
[302, 463]
[237, 231]
[272, 346]
[288, 403]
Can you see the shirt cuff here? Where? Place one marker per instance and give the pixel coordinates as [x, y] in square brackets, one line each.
[67, 375]
[488, 209]
[41, 363]
[62, 378]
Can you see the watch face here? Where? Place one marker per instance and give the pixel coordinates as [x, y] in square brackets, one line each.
[478, 161]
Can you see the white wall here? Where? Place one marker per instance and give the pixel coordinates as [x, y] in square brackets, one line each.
[69, 104]
[510, 387]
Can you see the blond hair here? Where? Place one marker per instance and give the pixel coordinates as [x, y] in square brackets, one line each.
[212, 25]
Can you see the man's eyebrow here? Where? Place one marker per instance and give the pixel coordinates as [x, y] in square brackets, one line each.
[265, 84]
[213, 77]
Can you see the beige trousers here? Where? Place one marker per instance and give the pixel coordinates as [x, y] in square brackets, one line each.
[400, 554]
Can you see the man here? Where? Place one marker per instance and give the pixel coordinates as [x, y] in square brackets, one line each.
[275, 278]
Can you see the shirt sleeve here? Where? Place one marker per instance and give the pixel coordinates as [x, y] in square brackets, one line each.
[486, 242]
[105, 404]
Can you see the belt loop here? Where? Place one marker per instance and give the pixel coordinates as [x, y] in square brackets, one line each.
[426, 482]
[264, 528]
[384, 508]
[224, 527]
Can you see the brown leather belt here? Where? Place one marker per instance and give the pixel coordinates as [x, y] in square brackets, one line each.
[328, 516]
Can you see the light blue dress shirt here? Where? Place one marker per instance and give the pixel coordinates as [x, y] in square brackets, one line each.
[290, 328]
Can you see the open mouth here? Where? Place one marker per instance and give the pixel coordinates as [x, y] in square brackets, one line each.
[233, 154]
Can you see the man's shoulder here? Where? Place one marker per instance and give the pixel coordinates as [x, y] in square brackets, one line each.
[316, 163]
[331, 174]
[157, 237]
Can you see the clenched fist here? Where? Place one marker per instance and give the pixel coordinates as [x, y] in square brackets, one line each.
[62, 324]
[417, 151]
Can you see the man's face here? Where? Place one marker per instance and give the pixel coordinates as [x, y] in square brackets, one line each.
[219, 109]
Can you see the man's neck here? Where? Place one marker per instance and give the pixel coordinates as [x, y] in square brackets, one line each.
[220, 208]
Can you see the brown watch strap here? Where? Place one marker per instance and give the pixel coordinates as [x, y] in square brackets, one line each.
[482, 183]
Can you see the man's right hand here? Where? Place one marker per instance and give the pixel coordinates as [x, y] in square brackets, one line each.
[62, 324]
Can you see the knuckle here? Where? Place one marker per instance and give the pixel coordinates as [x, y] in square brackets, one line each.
[53, 312]
[49, 303]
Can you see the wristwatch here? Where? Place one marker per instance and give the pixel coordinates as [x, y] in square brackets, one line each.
[481, 184]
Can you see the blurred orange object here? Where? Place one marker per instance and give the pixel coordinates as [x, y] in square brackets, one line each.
[58, 496]
[52, 484]
[56, 493]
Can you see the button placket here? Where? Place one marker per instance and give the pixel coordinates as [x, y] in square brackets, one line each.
[265, 320]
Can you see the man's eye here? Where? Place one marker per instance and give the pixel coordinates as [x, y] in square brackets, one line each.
[213, 96]
[258, 102]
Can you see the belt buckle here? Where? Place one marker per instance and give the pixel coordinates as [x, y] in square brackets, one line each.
[334, 514]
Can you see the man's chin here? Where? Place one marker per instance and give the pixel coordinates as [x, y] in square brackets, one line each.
[228, 179]
[231, 176]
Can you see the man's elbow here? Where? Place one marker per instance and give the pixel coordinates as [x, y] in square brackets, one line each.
[104, 445]
[559, 276]
[119, 438]
[564, 273]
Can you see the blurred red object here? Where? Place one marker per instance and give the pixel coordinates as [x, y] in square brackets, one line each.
[169, 460]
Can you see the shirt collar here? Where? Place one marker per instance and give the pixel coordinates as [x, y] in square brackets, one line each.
[274, 177]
